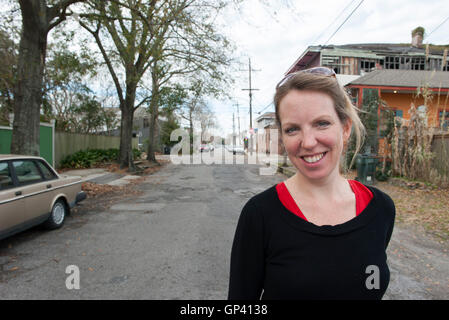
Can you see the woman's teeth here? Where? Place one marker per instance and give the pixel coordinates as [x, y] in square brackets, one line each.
[315, 158]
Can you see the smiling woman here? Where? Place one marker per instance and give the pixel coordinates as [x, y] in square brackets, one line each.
[315, 235]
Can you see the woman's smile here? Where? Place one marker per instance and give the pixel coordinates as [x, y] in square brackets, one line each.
[314, 159]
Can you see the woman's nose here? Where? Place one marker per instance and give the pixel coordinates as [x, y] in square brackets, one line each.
[308, 139]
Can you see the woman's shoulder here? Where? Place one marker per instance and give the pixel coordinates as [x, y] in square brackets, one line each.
[381, 195]
[264, 198]
[383, 200]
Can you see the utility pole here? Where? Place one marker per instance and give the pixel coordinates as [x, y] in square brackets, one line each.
[233, 131]
[250, 89]
[238, 119]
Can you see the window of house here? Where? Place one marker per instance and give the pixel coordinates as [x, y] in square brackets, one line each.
[443, 118]
[332, 62]
[398, 113]
[367, 65]
[146, 123]
[418, 63]
[391, 62]
[446, 65]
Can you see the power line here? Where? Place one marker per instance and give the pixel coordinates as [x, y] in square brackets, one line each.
[265, 108]
[444, 21]
[333, 22]
[344, 22]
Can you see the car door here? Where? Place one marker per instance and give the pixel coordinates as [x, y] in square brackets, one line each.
[12, 204]
[33, 187]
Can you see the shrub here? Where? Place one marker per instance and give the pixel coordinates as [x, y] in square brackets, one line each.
[91, 157]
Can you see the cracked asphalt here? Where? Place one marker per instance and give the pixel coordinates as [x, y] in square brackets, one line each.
[173, 241]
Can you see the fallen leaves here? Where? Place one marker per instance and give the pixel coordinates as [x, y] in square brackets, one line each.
[426, 207]
[102, 196]
[93, 189]
[418, 204]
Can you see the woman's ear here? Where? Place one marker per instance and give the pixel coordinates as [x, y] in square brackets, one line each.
[347, 127]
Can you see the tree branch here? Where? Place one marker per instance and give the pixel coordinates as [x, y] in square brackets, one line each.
[95, 33]
[58, 10]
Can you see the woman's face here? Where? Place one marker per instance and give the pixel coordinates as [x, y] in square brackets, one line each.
[312, 133]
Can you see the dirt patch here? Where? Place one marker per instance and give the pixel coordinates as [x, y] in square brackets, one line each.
[102, 196]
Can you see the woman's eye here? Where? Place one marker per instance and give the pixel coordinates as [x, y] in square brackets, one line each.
[323, 123]
[290, 130]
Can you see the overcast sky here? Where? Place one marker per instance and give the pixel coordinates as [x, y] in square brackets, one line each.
[274, 33]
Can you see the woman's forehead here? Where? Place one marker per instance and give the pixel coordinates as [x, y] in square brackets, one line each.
[306, 104]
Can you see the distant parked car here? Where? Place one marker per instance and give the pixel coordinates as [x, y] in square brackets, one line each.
[204, 148]
[32, 193]
[238, 150]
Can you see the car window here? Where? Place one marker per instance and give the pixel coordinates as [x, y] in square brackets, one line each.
[5, 176]
[48, 174]
[26, 171]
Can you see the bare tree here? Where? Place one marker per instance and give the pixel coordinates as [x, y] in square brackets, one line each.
[206, 119]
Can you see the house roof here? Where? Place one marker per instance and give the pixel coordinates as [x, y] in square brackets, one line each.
[404, 78]
[266, 115]
[364, 50]
[396, 47]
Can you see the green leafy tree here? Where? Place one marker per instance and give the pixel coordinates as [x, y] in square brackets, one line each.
[39, 17]
[65, 83]
[170, 101]
[170, 38]
[133, 28]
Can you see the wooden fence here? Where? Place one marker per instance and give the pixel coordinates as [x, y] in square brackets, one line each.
[440, 148]
[68, 143]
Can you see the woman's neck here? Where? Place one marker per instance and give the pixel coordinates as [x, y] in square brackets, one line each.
[333, 186]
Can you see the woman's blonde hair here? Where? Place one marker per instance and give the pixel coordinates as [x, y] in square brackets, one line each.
[330, 86]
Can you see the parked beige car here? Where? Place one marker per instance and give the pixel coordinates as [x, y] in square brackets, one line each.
[32, 192]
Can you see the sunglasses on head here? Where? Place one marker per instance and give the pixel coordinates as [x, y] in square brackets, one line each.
[323, 71]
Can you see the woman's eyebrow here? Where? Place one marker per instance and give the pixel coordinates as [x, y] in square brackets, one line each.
[321, 117]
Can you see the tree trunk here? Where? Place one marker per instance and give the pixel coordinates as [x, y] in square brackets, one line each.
[126, 131]
[154, 112]
[153, 131]
[191, 130]
[28, 87]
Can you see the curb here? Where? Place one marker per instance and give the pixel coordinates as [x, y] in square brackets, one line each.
[288, 171]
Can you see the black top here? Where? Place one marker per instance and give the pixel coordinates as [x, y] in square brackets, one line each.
[283, 256]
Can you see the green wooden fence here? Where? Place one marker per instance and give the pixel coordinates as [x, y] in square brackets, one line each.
[46, 141]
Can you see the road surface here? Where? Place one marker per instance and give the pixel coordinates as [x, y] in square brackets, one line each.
[173, 241]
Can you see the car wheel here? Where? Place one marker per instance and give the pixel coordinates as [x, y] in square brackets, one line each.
[57, 215]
